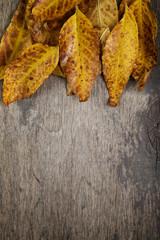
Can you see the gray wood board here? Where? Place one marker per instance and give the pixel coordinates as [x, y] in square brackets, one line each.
[78, 171]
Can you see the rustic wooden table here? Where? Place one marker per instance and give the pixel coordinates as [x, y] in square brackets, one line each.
[79, 171]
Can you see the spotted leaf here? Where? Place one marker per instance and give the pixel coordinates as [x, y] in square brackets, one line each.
[101, 13]
[147, 55]
[119, 56]
[27, 73]
[52, 9]
[128, 2]
[79, 54]
[15, 40]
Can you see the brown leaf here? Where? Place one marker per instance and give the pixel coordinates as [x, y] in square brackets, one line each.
[41, 35]
[15, 40]
[69, 90]
[119, 55]
[79, 54]
[27, 73]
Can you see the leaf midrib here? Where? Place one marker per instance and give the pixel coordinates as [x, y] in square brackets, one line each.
[37, 64]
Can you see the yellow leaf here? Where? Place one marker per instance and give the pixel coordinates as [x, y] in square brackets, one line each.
[15, 40]
[58, 72]
[46, 32]
[52, 9]
[101, 13]
[147, 55]
[129, 2]
[119, 55]
[154, 23]
[58, 23]
[79, 54]
[27, 73]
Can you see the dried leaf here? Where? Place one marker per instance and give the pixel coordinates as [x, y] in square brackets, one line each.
[129, 2]
[103, 35]
[58, 23]
[44, 10]
[15, 40]
[69, 90]
[147, 55]
[119, 56]
[154, 23]
[27, 73]
[58, 71]
[41, 35]
[101, 13]
[79, 54]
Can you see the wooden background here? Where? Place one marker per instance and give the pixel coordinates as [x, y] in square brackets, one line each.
[78, 171]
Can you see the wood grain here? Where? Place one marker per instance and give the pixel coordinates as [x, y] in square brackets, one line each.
[78, 171]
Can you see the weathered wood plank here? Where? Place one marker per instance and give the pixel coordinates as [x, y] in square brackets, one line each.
[78, 171]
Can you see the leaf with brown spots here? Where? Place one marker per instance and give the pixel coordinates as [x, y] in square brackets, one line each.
[119, 56]
[27, 73]
[58, 23]
[41, 35]
[79, 54]
[46, 32]
[154, 23]
[129, 2]
[15, 40]
[101, 13]
[44, 10]
[147, 55]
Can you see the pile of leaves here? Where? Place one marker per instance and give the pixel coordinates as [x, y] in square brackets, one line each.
[78, 39]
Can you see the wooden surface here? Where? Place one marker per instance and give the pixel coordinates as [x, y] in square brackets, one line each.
[78, 171]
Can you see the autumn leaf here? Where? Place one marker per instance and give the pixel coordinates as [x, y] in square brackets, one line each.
[101, 13]
[44, 10]
[79, 54]
[15, 40]
[58, 23]
[58, 71]
[69, 90]
[153, 15]
[41, 35]
[129, 2]
[119, 55]
[46, 32]
[154, 23]
[27, 73]
[147, 55]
